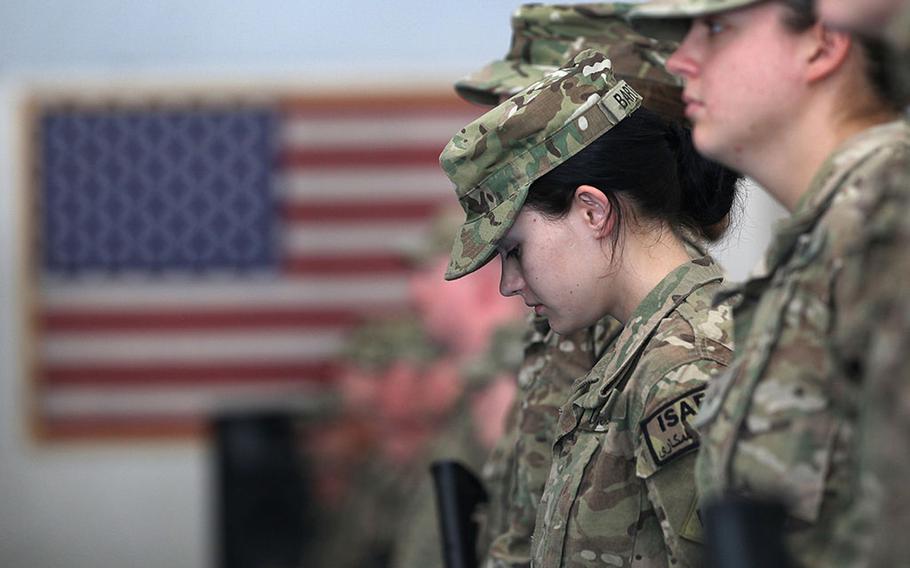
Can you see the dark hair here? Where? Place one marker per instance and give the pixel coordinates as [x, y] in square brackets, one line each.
[879, 58]
[651, 165]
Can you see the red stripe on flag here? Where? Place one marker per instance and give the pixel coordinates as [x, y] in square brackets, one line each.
[351, 265]
[132, 427]
[317, 371]
[208, 319]
[342, 104]
[362, 157]
[387, 210]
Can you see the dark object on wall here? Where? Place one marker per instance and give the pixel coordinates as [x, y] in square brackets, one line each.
[261, 505]
[744, 533]
[458, 493]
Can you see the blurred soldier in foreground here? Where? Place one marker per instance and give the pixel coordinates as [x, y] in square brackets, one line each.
[480, 333]
[874, 17]
[882, 320]
[543, 38]
[888, 19]
[785, 423]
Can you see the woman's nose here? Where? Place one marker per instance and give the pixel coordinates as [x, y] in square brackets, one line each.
[510, 280]
[684, 61]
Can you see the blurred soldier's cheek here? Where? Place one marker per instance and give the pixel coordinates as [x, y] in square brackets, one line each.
[868, 16]
[399, 384]
[440, 388]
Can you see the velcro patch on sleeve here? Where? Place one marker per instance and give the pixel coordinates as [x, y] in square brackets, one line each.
[692, 528]
[666, 430]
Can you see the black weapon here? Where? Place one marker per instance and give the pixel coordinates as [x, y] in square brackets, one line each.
[742, 532]
[458, 492]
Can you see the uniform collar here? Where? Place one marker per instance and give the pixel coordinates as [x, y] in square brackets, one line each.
[817, 200]
[656, 306]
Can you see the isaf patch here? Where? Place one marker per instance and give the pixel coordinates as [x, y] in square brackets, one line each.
[666, 430]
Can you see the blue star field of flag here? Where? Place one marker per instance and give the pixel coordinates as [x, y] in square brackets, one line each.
[157, 190]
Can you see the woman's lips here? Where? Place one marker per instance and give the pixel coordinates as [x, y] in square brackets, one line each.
[693, 105]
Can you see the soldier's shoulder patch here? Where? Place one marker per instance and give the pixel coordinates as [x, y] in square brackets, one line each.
[665, 430]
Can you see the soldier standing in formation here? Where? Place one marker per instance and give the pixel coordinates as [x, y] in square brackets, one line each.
[544, 37]
[801, 107]
[571, 172]
[882, 314]
[813, 411]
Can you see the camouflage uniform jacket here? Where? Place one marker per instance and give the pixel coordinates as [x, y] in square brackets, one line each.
[781, 422]
[552, 363]
[876, 337]
[621, 489]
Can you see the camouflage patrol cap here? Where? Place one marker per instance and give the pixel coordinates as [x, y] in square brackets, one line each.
[670, 19]
[546, 36]
[494, 160]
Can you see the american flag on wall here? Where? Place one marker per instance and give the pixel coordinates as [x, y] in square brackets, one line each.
[190, 256]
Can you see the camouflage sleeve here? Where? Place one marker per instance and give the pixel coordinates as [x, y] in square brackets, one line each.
[665, 456]
[873, 338]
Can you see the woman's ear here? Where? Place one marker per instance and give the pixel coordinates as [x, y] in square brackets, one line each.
[595, 209]
[828, 49]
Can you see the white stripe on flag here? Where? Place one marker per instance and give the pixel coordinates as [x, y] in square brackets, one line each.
[218, 292]
[378, 132]
[176, 347]
[119, 402]
[339, 238]
[298, 186]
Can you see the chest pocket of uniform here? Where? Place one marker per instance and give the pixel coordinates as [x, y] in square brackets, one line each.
[594, 518]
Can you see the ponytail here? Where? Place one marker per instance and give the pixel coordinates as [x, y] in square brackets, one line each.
[650, 165]
[708, 189]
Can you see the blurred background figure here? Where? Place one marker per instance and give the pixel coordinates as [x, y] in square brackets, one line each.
[432, 384]
[888, 20]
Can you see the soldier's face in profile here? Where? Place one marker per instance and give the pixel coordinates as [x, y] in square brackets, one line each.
[868, 16]
[740, 70]
[553, 265]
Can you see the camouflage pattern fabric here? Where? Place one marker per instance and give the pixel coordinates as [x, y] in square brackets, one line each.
[782, 422]
[376, 344]
[493, 161]
[669, 19]
[621, 489]
[418, 542]
[686, 8]
[876, 337]
[551, 365]
[497, 477]
[545, 36]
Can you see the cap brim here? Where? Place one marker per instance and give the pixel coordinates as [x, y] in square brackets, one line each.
[665, 29]
[482, 234]
[669, 20]
[498, 81]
